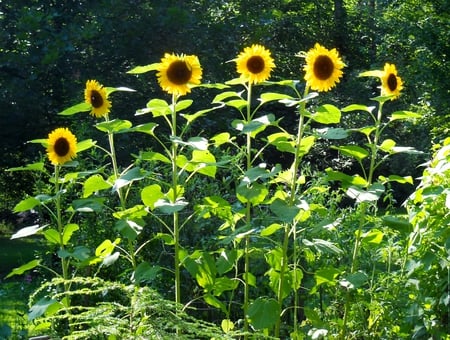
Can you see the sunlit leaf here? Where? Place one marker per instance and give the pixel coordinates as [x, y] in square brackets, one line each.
[69, 229]
[401, 115]
[114, 126]
[147, 128]
[327, 114]
[144, 69]
[24, 268]
[151, 194]
[326, 276]
[110, 90]
[221, 138]
[373, 236]
[52, 236]
[29, 167]
[28, 231]
[358, 107]
[133, 174]
[94, 184]
[271, 96]
[80, 107]
[26, 204]
[353, 151]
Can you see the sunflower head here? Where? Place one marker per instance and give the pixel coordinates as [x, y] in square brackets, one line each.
[95, 95]
[254, 64]
[61, 146]
[176, 73]
[391, 84]
[323, 68]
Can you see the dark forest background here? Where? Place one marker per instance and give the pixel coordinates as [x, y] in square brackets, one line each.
[49, 48]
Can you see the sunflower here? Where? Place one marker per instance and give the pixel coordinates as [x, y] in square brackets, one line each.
[62, 146]
[176, 73]
[323, 68]
[95, 95]
[254, 64]
[391, 84]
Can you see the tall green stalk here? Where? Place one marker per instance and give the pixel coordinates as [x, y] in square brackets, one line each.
[122, 198]
[176, 227]
[291, 228]
[248, 216]
[373, 145]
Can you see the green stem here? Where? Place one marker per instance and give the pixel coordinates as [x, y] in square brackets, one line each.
[176, 229]
[363, 211]
[122, 199]
[60, 226]
[291, 228]
[247, 215]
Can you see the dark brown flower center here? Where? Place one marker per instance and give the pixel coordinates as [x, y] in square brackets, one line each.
[255, 64]
[392, 82]
[96, 99]
[179, 72]
[323, 67]
[61, 147]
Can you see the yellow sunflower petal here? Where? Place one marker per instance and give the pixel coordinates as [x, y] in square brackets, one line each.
[62, 146]
[255, 64]
[391, 83]
[177, 73]
[323, 68]
[95, 95]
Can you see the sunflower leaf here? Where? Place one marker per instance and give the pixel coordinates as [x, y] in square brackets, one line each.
[31, 167]
[110, 90]
[85, 144]
[114, 126]
[398, 115]
[327, 114]
[23, 268]
[80, 107]
[375, 73]
[144, 69]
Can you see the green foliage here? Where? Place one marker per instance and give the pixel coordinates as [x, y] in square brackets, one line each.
[262, 204]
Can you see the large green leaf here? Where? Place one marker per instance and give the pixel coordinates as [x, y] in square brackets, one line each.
[284, 211]
[29, 167]
[52, 235]
[151, 194]
[402, 115]
[23, 268]
[353, 151]
[28, 231]
[271, 96]
[264, 312]
[69, 229]
[41, 307]
[26, 204]
[80, 107]
[147, 128]
[254, 193]
[114, 126]
[145, 273]
[327, 114]
[144, 69]
[133, 174]
[326, 276]
[94, 184]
